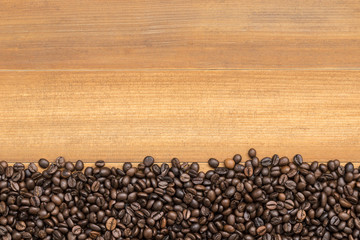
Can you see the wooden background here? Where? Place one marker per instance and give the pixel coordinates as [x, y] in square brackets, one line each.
[119, 80]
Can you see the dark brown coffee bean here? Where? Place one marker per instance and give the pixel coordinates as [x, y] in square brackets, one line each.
[298, 160]
[237, 158]
[248, 171]
[213, 163]
[95, 186]
[79, 165]
[43, 163]
[148, 161]
[266, 161]
[32, 168]
[101, 163]
[252, 153]
[148, 234]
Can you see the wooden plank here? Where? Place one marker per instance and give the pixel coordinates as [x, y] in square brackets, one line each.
[179, 34]
[192, 115]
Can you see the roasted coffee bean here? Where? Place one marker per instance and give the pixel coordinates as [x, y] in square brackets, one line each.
[60, 162]
[32, 168]
[111, 224]
[43, 163]
[213, 163]
[100, 163]
[298, 160]
[185, 177]
[266, 161]
[148, 161]
[248, 171]
[237, 158]
[229, 163]
[252, 152]
[76, 230]
[271, 205]
[79, 165]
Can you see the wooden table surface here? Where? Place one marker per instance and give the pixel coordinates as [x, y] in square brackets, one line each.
[119, 80]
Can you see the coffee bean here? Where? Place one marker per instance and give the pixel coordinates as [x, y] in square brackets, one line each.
[79, 165]
[266, 161]
[20, 225]
[248, 171]
[43, 163]
[95, 186]
[76, 230]
[298, 160]
[148, 234]
[100, 163]
[290, 184]
[32, 168]
[271, 205]
[213, 163]
[60, 162]
[148, 161]
[185, 177]
[229, 163]
[111, 224]
[237, 158]
[261, 230]
[345, 203]
[252, 153]
[301, 215]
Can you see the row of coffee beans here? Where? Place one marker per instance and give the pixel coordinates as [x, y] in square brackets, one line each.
[271, 198]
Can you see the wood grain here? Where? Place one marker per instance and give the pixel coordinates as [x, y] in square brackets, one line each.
[180, 34]
[192, 115]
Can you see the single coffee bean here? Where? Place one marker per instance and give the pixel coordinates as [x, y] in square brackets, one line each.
[43, 163]
[79, 165]
[213, 163]
[266, 161]
[95, 186]
[229, 163]
[185, 177]
[271, 205]
[252, 153]
[298, 160]
[301, 215]
[32, 168]
[111, 224]
[60, 162]
[261, 230]
[148, 234]
[248, 171]
[100, 163]
[148, 161]
[237, 158]
[76, 230]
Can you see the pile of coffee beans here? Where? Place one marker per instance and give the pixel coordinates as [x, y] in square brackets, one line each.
[272, 198]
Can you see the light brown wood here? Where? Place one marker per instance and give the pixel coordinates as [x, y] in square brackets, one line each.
[179, 34]
[192, 115]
